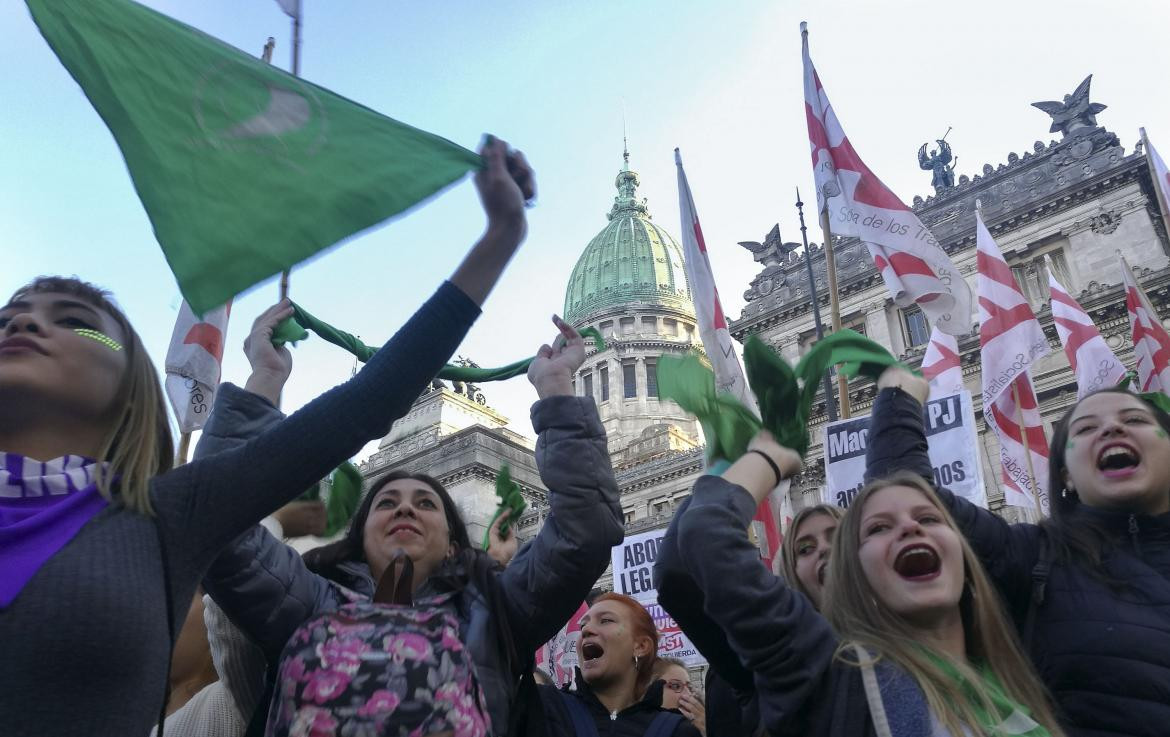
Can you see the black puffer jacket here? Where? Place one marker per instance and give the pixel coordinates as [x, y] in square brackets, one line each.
[633, 721]
[1104, 655]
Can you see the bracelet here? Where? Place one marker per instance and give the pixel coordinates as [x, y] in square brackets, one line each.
[772, 463]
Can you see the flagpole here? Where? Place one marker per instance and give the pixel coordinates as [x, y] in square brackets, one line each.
[830, 403]
[184, 447]
[1027, 449]
[1159, 193]
[834, 307]
[296, 71]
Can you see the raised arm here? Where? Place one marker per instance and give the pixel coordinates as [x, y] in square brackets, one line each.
[897, 441]
[775, 631]
[546, 582]
[202, 504]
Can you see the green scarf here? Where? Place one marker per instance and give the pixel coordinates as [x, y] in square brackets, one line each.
[344, 496]
[1158, 399]
[297, 327]
[785, 394]
[510, 498]
[1009, 718]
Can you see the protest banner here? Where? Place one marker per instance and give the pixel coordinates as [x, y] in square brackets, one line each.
[950, 435]
[633, 575]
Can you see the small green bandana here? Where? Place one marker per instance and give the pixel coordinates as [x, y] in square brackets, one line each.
[1158, 399]
[1010, 718]
[510, 498]
[344, 496]
[297, 327]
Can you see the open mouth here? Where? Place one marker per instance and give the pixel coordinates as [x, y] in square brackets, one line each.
[917, 562]
[591, 651]
[407, 528]
[1118, 460]
[822, 569]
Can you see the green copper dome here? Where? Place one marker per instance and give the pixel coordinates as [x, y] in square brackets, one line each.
[631, 262]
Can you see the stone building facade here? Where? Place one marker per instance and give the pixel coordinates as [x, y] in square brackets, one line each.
[1075, 203]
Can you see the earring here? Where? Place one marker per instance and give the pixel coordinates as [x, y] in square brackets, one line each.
[635, 662]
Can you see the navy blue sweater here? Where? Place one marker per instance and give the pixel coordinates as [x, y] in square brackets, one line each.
[762, 635]
[1104, 655]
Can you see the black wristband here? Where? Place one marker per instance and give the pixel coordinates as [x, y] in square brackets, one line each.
[772, 463]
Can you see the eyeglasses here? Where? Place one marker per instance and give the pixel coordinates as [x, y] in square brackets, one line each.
[677, 686]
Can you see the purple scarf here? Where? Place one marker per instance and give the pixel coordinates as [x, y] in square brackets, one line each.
[42, 506]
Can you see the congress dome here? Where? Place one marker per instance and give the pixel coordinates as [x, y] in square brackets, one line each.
[631, 262]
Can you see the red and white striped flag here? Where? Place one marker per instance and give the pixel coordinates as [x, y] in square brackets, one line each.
[1151, 343]
[717, 340]
[1010, 339]
[913, 266]
[292, 8]
[941, 365]
[1092, 361]
[193, 364]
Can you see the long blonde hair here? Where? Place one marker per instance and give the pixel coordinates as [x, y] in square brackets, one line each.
[139, 445]
[859, 617]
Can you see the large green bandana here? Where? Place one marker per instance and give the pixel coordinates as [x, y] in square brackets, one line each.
[785, 394]
[297, 327]
[510, 498]
[1010, 719]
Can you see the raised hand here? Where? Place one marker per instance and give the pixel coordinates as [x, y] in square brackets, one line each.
[693, 709]
[502, 548]
[912, 384]
[301, 518]
[505, 184]
[553, 367]
[271, 366]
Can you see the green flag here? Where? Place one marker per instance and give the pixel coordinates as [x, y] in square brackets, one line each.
[244, 170]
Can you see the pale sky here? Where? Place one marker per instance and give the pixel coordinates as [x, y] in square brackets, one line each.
[720, 80]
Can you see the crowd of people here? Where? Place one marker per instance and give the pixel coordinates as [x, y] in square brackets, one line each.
[136, 594]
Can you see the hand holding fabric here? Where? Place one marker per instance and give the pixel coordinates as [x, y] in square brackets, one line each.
[552, 370]
[271, 362]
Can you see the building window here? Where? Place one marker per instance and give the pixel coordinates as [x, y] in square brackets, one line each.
[629, 515]
[662, 507]
[629, 380]
[669, 326]
[606, 328]
[603, 379]
[1032, 274]
[627, 325]
[652, 377]
[588, 379]
[917, 330]
[649, 324]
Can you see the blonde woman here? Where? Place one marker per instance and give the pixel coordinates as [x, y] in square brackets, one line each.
[102, 542]
[917, 645]
[804, 552]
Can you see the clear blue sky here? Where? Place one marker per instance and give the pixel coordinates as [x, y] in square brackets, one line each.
[721, 80]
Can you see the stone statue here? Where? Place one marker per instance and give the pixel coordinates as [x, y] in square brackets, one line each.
[1075, 112]
[941, 163]
[770, 252]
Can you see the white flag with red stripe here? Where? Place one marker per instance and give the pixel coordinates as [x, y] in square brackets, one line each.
[913, 266]
[1159, 172]
[717, 341]
[1092, 361]
[941, 365]
[1010, 339]
[1151, 343]
[193, 364]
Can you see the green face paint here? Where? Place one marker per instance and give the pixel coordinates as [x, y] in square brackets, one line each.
[1161, 432]
[100, 337]
[1069, 445]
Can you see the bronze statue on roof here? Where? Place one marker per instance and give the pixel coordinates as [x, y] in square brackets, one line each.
[1075, 112]
[940, 162]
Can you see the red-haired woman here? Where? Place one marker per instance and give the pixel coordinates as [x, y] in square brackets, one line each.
[614, 695]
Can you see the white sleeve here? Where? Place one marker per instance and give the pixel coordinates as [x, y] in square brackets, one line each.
[240, 663]
[210, 713]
